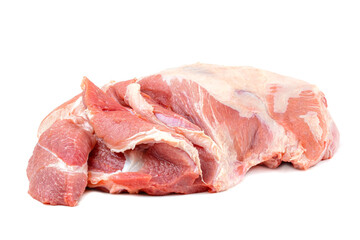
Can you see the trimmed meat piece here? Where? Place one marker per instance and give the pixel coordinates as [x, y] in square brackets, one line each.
[57, 170]
[195, 128]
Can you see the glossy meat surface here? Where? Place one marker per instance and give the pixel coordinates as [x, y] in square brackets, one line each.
[190, 129]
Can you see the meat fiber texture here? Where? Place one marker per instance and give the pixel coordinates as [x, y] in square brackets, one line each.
[191, 129]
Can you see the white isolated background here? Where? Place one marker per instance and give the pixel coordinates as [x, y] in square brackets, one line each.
[46, 47]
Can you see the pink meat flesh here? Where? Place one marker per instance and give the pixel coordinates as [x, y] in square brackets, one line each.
[57, 171]
[190, 129]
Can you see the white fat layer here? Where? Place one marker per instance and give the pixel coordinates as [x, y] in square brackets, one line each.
[134, 161]
[86, 126]
[225, 148]
[75, 105]
[244, 89]
[101, 179]
[60, 165]
[107, 86]
[224, 82]
[134, 98]
[235, 88]
[201, 139]
[312, 120]
[95, 176]
[74, 111]
[154, 136]
[284, 93]
[89, 114]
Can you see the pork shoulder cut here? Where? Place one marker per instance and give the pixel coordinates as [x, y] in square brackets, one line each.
[190, 129]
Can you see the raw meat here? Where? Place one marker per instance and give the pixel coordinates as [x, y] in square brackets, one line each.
[195, 128]
[57, 171]
[158, 160]
[254, 116]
